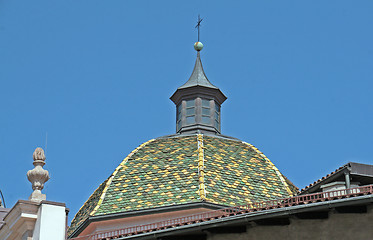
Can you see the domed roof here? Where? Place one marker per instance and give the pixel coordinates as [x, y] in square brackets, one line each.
[184, 169]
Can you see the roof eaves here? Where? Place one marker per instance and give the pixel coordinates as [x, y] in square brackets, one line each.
[253, 216]
[324, 179]
[361, 169]
[179, 207]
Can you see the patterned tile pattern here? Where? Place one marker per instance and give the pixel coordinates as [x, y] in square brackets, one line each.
[87, 208]
[167, 171]
[292, 187]
[237, 174]
[163, 172]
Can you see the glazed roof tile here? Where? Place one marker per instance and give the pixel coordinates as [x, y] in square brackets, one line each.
[174, 170]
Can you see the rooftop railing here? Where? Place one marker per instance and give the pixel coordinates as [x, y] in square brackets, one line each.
[231, 211]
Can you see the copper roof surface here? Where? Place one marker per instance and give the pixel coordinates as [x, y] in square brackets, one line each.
[198, 77]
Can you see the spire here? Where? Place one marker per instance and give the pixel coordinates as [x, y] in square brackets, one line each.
[198, 101]
[198, 77]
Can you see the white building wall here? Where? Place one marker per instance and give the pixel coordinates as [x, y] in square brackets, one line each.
[51, 223]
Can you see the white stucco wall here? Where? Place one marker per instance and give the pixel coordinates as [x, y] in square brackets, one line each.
[51, 223]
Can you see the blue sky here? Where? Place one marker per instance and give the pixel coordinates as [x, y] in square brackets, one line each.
[96, 76]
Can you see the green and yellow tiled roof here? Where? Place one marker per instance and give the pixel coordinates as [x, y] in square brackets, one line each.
[186, 169]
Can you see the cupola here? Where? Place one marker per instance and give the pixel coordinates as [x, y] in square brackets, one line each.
[198, 102]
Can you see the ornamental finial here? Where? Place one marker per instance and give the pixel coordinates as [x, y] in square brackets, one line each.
[38, 176]
[198, 45]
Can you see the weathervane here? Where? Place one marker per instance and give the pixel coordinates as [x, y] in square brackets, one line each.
[198, 45]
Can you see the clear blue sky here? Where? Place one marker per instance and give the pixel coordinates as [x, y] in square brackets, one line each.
[97, 77]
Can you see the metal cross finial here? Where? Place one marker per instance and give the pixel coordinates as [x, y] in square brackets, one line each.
[199, 24]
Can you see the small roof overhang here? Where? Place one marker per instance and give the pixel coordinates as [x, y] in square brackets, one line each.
[359, 172]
